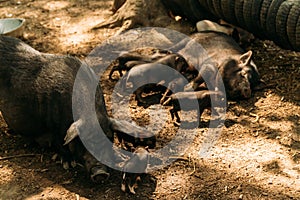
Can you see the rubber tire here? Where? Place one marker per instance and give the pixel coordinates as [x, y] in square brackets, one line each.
[204, 4]
[271, 20]
[174, 6]
[238, 10]
[297, 44]
[281, 24]
[247, 15]
[227, 7]
[211, 7]
[209, 14]
[198, 12]
[218, 8]
[263, 15]
[292, 24]
[257, 30]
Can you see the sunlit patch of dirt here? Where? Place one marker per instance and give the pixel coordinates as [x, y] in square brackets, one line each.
[6, 174]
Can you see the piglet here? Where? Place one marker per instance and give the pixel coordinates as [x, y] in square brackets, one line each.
[133, 168]
[188, 98]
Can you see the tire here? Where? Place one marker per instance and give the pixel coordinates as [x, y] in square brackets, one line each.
[211, 7]
[271, 19]
[277, 20]
[174, 6]
[204, 4]
[239, 13]
[198, 12]
[297, 45]
[257, 30]
[227, 7]
[263, 15]
[247, 15]
[218, 8]
[292, 24]
[281, 24]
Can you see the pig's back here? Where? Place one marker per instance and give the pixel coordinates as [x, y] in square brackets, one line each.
[35, 88]
[218, 46]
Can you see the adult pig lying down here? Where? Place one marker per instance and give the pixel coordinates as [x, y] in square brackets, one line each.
[236, 67]
[36, 102]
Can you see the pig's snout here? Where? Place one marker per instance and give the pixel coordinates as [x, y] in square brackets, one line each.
[99, 174]
[246, 91]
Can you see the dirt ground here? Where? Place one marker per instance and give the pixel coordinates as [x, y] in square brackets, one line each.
[257, 155]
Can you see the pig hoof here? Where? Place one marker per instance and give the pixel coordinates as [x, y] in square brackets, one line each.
[131, 189]
[123, 187]
[176, 124]
[73, 164]
[138, 179]
[66, 165]
[99, 175]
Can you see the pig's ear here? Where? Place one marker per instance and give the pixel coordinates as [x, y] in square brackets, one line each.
[245, 58]
[176, 60]
[72, 132]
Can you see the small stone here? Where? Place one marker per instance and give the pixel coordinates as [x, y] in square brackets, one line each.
[241, 197]
[44, 170]
[54, 157]
[226, 188]
[239, 189]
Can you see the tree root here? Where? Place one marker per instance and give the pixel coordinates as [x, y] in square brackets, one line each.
[136, 13]
[18, 156]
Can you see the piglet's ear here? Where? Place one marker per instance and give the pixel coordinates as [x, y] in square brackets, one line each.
[177, 60]
[245, 58]
[73, 131]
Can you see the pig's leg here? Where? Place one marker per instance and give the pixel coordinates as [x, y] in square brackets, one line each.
[121, 68]
[199, 113]
[121, 139]
[123, 184]
[172, 113]
[177, 123]
[138, 96]
[137, 180]
[177, 116]
[66, 157]
[131, 183]
[128, 180]
[63, 152]
[164, 96]
[175, 113]
[98, 171]
[114, 68]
